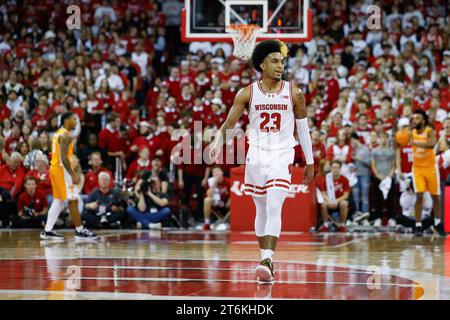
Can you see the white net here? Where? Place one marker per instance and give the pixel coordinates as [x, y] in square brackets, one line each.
[244, 38]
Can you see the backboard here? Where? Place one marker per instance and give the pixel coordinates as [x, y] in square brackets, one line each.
[209, 20]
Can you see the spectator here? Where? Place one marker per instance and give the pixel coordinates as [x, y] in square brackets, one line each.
[42, 177]
[217, 197]
[383, 168]
[157, 171]
[30, 157]
[151, 207]
[95, 160]
[406, 221]
[12, 174]
[87, 150]
[104, 207]
[32, 206]
[139, 165]
[110, 141]
[335, 190]
[360, 191]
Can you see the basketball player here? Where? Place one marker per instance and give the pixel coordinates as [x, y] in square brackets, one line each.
[275, 107]
[425, 171]
[64, 180]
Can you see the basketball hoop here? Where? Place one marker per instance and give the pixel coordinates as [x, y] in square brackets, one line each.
[244, 39]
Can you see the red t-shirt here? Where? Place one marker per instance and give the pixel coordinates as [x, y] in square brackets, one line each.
[92, 180]
[12, 181]
[38, 201]
[44, 183]
[341, 185]
[135, 169]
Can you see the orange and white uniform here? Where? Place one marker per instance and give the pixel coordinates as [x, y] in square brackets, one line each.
[425, 170]
[62, 185]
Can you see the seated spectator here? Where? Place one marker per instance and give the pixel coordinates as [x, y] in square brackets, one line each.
[32, 206]
[406, 221]
[158, 171]
[104, 206]
[29, 160]
[12, 174]
[151, 207]
[87, 150]
[217, 196]
[41, 174]
[140, 165]
[335, 191]
[92, 175]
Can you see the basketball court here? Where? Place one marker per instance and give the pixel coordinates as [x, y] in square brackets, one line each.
[139, 264]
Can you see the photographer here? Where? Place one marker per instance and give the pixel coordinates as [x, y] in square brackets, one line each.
[151, 204]
[104, 207]
[32, 206]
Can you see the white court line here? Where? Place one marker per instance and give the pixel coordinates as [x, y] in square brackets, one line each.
[70, 295]
[83, 294]
[149, 279]
[210, 269]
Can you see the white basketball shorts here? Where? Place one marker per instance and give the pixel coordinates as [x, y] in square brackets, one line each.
[266, 169]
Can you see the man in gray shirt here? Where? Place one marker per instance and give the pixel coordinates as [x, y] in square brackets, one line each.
[383, 166]
[360, 191]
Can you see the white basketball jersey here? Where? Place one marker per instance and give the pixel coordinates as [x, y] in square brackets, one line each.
[271, 117]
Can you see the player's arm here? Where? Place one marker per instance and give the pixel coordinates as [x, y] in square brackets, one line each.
[432, 140]
[398, 161]
[241, 99]
[64, 142]
[301, 121]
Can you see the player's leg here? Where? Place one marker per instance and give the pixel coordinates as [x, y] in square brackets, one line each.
[419, 187]
[274, 205]
[59, 196]
[260, 221]
[72, 196]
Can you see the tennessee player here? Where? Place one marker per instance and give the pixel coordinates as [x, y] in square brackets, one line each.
[425, 171]
[64, 181]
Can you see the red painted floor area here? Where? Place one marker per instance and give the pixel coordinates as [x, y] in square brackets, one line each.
[202, 278]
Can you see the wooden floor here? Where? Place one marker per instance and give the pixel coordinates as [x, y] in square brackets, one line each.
[138, 264]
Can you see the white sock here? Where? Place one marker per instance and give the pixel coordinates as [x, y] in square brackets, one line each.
[326, 224]
[437, 221]
[207, 220]
[262, 253]
[79, 228]
[418, 224]
[53, 214]
[267, 254]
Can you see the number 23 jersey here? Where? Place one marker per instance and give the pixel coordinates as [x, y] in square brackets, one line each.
[271, 117]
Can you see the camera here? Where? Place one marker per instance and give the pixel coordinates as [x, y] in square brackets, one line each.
[28, 212]
[147, 182]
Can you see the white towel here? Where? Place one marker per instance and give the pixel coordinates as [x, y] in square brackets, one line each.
[385, 186]
[330, 186]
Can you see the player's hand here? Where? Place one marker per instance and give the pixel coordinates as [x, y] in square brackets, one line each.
[213, 151]
[75, 179]
[308, 174]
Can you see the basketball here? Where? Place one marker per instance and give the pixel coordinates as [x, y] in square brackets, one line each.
[402, 137]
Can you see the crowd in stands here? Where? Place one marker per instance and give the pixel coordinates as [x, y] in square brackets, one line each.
[132, 84]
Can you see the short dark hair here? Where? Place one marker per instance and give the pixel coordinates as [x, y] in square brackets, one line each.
[28, 178]
[339, 162]
[424, 115]
[113, 116]
[65, 116]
